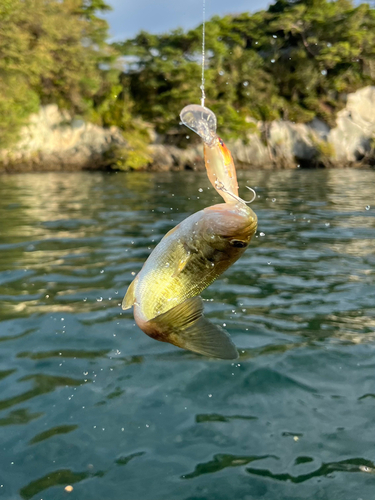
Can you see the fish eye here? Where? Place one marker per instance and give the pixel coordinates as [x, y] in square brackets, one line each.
[238, 243]
[221, 141]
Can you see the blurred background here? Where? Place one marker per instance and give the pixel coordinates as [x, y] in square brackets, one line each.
[78, 64]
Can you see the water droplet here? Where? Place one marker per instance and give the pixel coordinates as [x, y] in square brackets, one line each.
[210, 395]
[273, 60]
[245, 84]
[324, 72]
[368, 207]
[273, 200]
[200, 190]
[188, 137]
[221, 73]
[224, 324]
[327, 224]
[274, 36]
[262, 234]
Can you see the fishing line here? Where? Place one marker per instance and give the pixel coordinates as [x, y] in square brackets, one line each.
[203, 51]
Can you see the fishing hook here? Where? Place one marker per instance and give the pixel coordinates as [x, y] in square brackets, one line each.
[221, 187]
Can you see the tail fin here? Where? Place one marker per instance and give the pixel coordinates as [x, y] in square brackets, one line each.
[186, 327]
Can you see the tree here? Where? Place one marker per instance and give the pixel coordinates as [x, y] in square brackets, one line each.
[295, 61]
[51, 51]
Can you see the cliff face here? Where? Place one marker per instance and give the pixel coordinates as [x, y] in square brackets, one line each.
[352, 137]
[54, 141]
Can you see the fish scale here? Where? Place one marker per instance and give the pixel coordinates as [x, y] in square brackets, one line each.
[171, 287]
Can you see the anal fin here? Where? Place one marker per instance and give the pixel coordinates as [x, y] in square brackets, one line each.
[129, 298]
[186, 327]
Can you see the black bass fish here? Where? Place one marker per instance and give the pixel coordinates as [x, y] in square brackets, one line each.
[165, 293]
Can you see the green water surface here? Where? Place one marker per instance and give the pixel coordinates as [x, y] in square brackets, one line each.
[88, 400]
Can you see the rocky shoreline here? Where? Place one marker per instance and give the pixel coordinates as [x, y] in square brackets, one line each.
[53, 141]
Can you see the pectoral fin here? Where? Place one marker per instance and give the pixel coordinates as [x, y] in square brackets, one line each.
[186, 327]
[129, 298]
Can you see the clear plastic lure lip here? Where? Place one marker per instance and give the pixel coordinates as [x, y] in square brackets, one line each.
[200, 120]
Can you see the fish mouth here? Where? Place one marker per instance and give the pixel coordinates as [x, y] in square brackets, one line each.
[253, 225]
[250, 228]
[231, 221]
[243, 236]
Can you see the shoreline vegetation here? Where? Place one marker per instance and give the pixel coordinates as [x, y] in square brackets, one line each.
[291, 86]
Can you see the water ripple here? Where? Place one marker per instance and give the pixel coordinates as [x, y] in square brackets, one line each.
[89, 401]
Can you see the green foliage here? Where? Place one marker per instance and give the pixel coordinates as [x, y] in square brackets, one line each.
[51, 51]
[134, 156]
[116, 108]
[293, 61]
[324, 151]
[166, 74]
[17, 102]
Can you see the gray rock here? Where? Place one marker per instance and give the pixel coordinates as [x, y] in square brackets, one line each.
[52, 137]
[355, 126]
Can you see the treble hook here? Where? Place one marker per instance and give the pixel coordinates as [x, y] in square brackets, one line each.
[221, 187]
